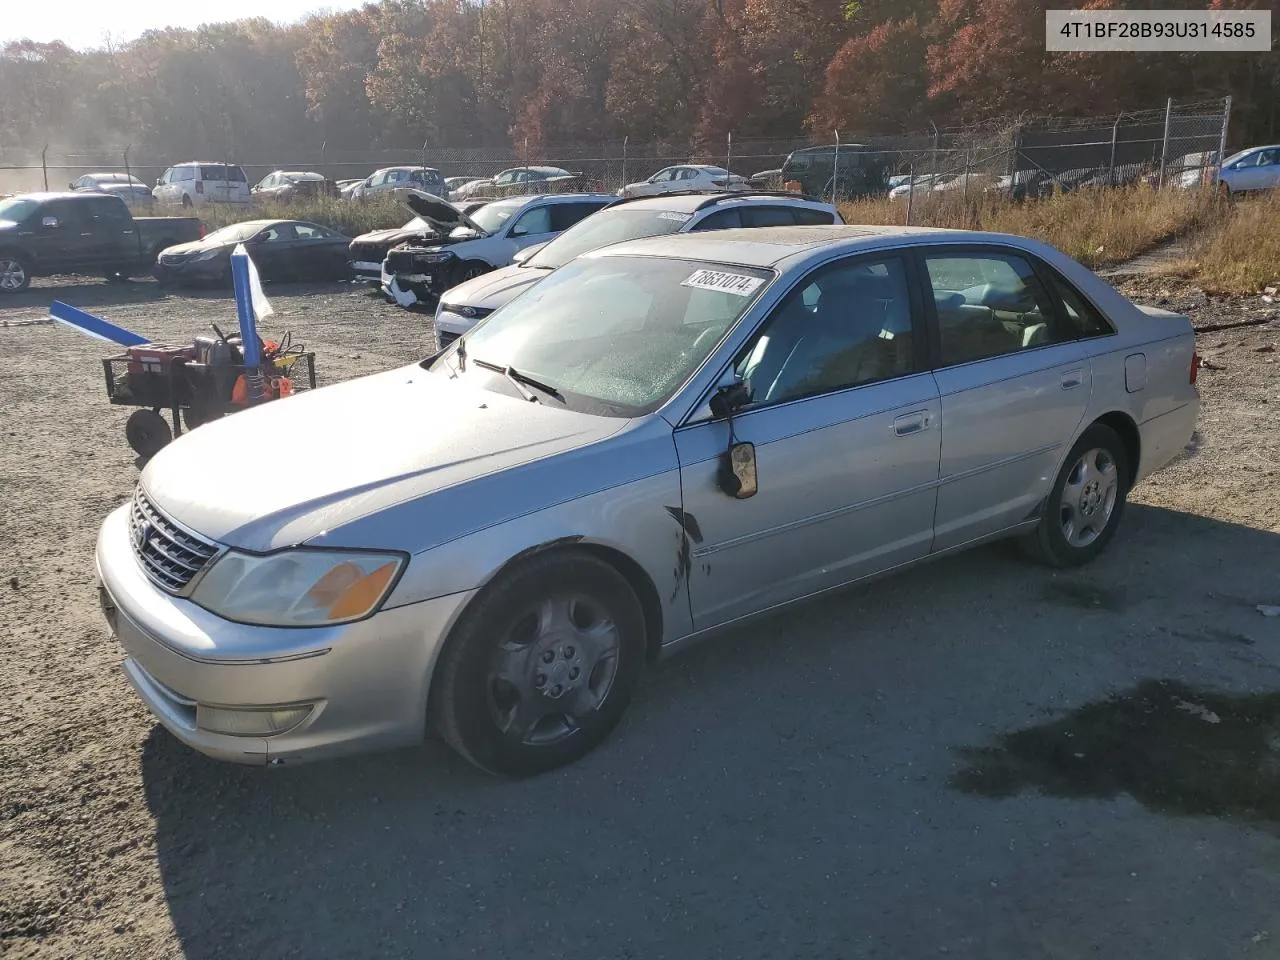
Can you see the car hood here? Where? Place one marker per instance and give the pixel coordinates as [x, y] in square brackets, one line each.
[389, 237]
[198, 246]
[441, 214]
[292, 470]
[491, 290]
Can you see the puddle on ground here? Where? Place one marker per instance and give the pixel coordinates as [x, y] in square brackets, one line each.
[1174, 749]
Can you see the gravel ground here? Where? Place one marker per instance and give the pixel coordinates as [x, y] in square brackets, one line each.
[979, 758]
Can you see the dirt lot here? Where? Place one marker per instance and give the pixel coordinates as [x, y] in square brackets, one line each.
[980, 758]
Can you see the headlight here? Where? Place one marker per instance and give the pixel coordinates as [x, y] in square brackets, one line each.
[207, 255]
[298, 588]
[440, 257]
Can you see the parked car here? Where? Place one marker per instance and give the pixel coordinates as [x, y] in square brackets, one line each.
[861, 170]
[346, 186]
[453, 184]
[367, 251]
[689, 176]
[197, 183]
[462, 307]
[781, 412]
[42, 234]
[766, 179]
[920, 184]
[280, 249]
[294, 185]
[1257, 168]
[424, 179]
[523, 181]
[420, 270]
[135, 193]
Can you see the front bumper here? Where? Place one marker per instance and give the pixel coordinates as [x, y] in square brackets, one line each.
[367, 681]
[190, 271]
[366, 270]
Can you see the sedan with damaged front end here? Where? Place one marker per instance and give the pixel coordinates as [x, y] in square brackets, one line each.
[663, 437]
[463, 247]
[367, 251]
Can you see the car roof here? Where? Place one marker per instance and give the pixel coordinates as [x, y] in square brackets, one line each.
[389, 169]
[41, 196]
[307, 174]
[770, 246]
[529, 198]
[693, 201]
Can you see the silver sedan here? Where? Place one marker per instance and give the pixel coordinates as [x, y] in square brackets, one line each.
[661, 438]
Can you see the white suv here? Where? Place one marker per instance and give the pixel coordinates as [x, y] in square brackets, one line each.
[196, 183]
[463, 306]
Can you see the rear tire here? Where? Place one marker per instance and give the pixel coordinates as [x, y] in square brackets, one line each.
[541, 665]
[1087, 501]
[147, 432]
[186, 201]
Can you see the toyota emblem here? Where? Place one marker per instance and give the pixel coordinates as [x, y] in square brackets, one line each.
[142, 533]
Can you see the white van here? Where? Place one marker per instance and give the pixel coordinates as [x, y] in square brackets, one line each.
[197, 183]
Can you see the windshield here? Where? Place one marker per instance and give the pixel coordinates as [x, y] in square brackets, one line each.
[1236, 156]
[17, 209]
[235, 233]
[618, 335]
[493, 216]
[606, 227]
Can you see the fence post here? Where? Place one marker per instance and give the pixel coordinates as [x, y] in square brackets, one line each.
[1222, 139]
[1111, 165]
[128, 175]
[323, 144]
[624, 159]
[933, 171]
[1164, 146]
[911, 189]
[44, 167]
[835, 170]
[968, 163]
[424, 154]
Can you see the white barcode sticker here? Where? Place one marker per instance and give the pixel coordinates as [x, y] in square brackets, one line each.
[735, 283]
[677, 217]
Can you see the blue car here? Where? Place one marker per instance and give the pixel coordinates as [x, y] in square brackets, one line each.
[1257, 168]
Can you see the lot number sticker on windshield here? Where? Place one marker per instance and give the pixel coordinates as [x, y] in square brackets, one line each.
[677, 217]
[736, 283]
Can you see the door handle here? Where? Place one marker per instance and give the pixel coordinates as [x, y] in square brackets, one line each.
[910, 423]
[1072, 379]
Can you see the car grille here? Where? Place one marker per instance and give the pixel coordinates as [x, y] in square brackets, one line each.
[173, 258]
[170, 555]
[401, 261]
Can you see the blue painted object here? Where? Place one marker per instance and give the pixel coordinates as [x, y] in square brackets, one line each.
[92, 326]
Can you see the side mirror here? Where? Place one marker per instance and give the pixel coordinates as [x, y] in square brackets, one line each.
[50, 222]
[526, 253]
[729, 399]
[71, 186]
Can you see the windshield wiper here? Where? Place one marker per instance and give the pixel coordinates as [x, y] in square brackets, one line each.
[517, 378]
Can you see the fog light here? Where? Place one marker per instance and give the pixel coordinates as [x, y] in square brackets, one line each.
[251, 722]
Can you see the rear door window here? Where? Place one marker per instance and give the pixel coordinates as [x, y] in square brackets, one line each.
[811, 218]
[720, 220]
[565, 215]
[767, 217]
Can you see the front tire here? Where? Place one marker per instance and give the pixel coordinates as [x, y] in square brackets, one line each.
[147, 432]
[469, 270]
[15, 274]
[541, 666]
[1086, 503]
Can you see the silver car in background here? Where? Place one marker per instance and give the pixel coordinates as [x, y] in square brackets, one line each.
[662, 438]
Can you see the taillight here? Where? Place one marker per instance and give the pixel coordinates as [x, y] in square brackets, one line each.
[199, 186]
[1195, 367]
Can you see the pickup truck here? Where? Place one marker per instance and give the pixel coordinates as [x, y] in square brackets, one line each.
[53, 233]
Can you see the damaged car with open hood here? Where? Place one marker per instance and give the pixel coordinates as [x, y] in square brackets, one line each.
[461, 247]
[367, 251]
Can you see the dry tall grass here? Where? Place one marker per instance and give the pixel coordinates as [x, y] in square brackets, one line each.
[1240, 252]
[1097, 227]
[351, 217]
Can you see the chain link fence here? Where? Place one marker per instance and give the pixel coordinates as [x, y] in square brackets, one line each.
[1177, 145]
